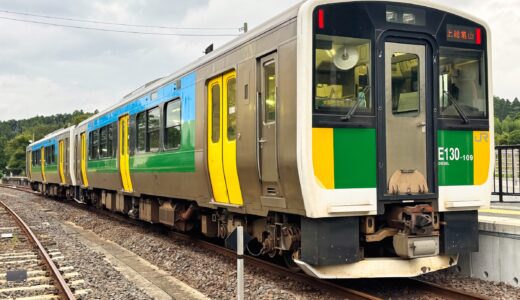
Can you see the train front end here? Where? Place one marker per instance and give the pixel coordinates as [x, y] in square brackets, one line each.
[394, 136]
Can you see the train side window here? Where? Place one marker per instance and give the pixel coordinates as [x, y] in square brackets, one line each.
[232, 109]
[103, 143]
[270, 92]
[172, 132]
[152, 130]
[110, 140]
[141, 132]
[215, 117]
[95, 144]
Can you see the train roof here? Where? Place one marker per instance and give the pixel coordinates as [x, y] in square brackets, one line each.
[278, 20]
[282, 18]
[52, 135]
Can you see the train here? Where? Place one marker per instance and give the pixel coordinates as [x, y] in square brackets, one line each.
[352, 139]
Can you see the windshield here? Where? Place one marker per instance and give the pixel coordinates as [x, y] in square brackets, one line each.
[342, 74]
[462, 83]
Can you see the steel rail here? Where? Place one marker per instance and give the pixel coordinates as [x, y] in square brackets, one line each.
[64, 290]
[432, 288]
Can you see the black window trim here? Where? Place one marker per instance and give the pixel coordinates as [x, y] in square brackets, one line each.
[146, 131]
[165, 132]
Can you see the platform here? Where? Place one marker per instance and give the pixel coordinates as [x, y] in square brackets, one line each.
[499, 243]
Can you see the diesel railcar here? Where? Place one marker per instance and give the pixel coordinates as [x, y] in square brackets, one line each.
[351, 137]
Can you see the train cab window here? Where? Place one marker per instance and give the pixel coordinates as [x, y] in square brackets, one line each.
[342, 75]
[462, 83]
[172, 132]
[141, 132]
[152, 130]
[215, 117]
[232, 109]
[270, 92]
[405, 84]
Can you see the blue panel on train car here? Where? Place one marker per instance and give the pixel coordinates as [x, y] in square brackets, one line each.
[162, 94]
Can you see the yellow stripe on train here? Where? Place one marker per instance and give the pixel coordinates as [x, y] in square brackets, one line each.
[481, 157]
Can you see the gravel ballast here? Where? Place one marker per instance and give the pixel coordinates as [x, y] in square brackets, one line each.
[211, 273]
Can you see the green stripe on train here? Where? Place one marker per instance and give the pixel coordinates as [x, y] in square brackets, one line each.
[354, 158]
[169, 161]
[455, 155]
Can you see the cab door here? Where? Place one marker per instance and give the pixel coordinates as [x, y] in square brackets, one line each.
[222, 135]
[267, 110]
[83, 163]
[61, 160]
[408, 119]
[124, 157]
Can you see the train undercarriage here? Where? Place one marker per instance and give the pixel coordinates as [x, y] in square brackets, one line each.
[413, 237]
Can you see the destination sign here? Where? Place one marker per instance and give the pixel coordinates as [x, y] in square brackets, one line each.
[464, 34]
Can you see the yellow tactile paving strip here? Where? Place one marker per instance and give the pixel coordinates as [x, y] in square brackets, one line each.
[500, 211]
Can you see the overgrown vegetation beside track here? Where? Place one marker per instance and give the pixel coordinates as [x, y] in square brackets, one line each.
[15, 135]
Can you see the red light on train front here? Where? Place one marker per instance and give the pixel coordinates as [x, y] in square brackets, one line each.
[321, 18]
[478, 36]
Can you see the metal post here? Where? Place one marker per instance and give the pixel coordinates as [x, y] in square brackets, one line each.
[240, 262]
[500, 196]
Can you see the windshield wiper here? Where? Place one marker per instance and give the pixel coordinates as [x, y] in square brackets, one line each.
[462, 114]
[353, 109]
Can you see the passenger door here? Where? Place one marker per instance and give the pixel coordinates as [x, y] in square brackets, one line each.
[83, 163]
[124, 157]
[222, 134]
[267, 110]
[61, 161]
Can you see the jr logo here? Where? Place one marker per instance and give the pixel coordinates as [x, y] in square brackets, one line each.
[483, 136]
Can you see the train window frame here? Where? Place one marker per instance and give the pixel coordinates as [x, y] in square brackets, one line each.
[215, 113]
[231, 123]
[414, 86]
[268, 119]
[103, 142]
[140, 132]
[94, 144]
[462, 53]
[361, 88]
[178, 126]
[154, 131]
[110, 141]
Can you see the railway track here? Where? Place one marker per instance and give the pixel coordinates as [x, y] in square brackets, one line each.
[349, 289]
[27, 268]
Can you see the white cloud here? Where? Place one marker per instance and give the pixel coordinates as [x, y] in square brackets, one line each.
[71, 69]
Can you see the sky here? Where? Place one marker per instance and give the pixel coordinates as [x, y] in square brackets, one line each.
[46, 70]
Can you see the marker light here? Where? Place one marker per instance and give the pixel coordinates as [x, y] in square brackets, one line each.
[478, 36]
[321, 18]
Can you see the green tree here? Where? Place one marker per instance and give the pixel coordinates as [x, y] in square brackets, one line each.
[15, 151]
[514, 138]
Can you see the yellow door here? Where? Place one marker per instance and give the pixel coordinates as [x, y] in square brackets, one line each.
[222, 139]
[43, 163]
[124, 158]
[84, 159]
[61, 161]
